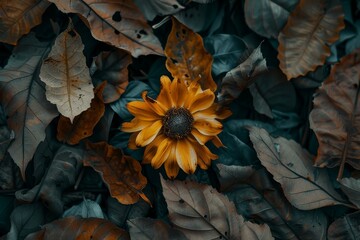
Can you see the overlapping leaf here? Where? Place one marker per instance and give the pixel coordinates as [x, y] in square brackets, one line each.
[304, 186]
[351, 187]
[305, 39]
[336, 113]
[18, 17]
[187, 58]
[79, 228]
[83, 124]
[122, 174]
[23, 96]
[346, 228]
[152, 8]
[119, 23]
[67, 78]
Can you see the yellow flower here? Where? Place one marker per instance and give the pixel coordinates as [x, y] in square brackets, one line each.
[175, 127]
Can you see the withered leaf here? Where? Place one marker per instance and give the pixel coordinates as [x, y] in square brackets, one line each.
[111, 67]
[83, 124]
[23, 96]
[67, 78]
[61, 175]
[351, 187]
[153, 229]
[152, 8]
[305, 186]
[18, 17]
[305, 39]
[336, 113]
[200, 212]
[346, 228]
[187, 58]
[256, 197]
[119, 23]
[239, 78]
[268, 17]
[121, 174]
[79, 228]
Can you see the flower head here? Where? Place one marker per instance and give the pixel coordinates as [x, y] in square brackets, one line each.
[175, 127]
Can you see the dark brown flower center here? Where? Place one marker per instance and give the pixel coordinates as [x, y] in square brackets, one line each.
[177, 123]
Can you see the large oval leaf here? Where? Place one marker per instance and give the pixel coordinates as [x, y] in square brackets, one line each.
[67, 78]
[23, 96]
[18, 17]
[305, 39]
[305, 186]
[336, 113]
[119, 23]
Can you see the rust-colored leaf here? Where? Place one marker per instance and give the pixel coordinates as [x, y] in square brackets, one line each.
[81, 229]
[122, 174]
[83, 124]
[67, 78]
[336, 113]
[18, 17]
[111, 67]
[23, 96]
[305, 39]
[119, 23]
[187, 58]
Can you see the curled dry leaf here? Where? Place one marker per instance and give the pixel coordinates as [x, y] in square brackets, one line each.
[305, 39]
[119, 23]
[256, 197]
[121, 174]
[268, 17]
[187, 58]
[239, 78]
[83, 124]
[153, 229]
[351, 187]
[67, 78]
[79, 228]
[18, 17]
[346, 228]
[336, 113]
[111, 67]
[23, 96]
[200, 212]
[61, 175]
[152, 8]
[305, 186]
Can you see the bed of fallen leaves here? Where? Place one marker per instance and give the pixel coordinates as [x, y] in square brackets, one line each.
[289, 70]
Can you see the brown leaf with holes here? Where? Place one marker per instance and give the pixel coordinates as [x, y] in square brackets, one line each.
[18, 17]
[305, 39]
[83, 124]
[111, 67]
[336, 114]
[119, 23]
[121, 174]
[80, 228]
[187, 58]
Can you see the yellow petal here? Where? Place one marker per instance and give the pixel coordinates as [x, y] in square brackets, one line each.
[179, 92]
[132, 144]
[142, 111]
[171, 166]
[164, 96]
[155, 106]
[200, 138]
[204, 156]
[186, 156]
[151, 149]
[147, 135]
[135, 125]
[202, 101]
[162, 153]
[208, 128]
[217, 142]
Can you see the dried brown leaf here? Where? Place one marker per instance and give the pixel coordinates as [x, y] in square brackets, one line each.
[305, 186]
[122, 174]
[187, 58]
[336, 113]
[18, 17]
[23, 96]
[79, 228]
[305, 39]
[119, 23]
[67, 78]
[83, 124]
